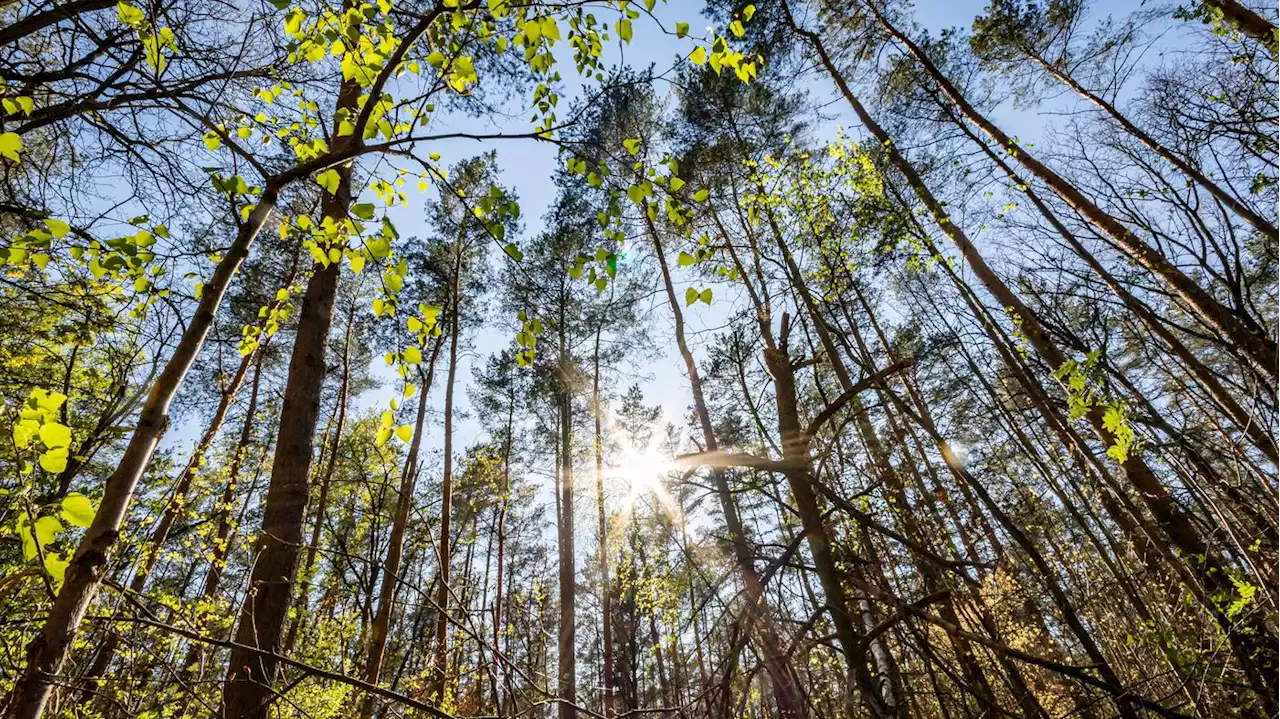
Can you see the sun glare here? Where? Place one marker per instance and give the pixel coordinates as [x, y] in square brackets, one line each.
[640, 471]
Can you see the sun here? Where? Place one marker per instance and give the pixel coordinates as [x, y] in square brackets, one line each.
[640, 471]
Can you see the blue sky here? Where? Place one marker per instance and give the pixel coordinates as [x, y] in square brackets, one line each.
[526, 167]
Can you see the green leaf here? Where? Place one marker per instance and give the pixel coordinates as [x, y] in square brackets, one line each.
[632, 145]
[55, 435]
[78, 509]
[363, 211]
[56, 566]
[54, 460]
[57, 228]
[682, 29]
[404, 432]
[10, 146]
[329, 181]
[624, 30]
[128, 14]
[690, 296]
[47, 529]
[384, 434]
[513, 252]
[412, 355]
[676, 184]
[705, 296]
[212, 141]
[686, 259]
[701, 195]
[698, 56]
[636, 193]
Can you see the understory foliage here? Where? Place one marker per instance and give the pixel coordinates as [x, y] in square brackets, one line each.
[854, 366]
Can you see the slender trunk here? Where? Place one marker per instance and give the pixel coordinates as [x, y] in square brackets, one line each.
[795, 452]
[440, 664]
[47, 652]
[1252, 644]
[566, 645]
[173, 510]
[1258, 434]
[226, 523]
[499, 617]
[1258, 349]
[606, 612]
[395, 546]
[1219, 193]
[784, 682]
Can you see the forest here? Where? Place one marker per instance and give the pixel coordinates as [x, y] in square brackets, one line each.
[649, 359]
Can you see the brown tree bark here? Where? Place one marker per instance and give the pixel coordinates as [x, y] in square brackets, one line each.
[1247, 21]
[47, 653]
[566, 645]
[1253, 646]
[606, 610]
[250, 675]
[1253, 344]
[782, 679]
[395, 546]
[440, 664]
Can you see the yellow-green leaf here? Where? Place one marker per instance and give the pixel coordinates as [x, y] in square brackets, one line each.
[10, 146]
[55, 435]
[56, 565]
[329, 181]
[57, 228]
[54, 461]
[128, 14]
[78, 509]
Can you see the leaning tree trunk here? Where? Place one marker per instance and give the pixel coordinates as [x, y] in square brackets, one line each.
[795, 453]
[1256, 348]
[1252, 644]
[47, 652]
[1247, 21]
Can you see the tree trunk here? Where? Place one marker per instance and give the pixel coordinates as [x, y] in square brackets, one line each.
[1253, 646]
[47, 652]
[1247, 21]
[606, 612]
[262, 616]
[395, 546]
[567, 645]
[440, 664]
[1256, 348]
[787, 694]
